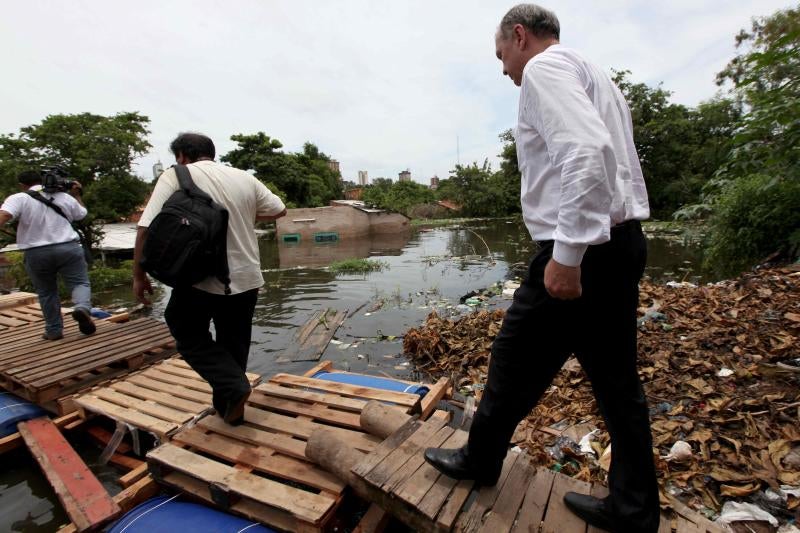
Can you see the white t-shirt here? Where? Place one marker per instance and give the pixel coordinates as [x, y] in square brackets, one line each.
[245, 198]
[39, 224]
[580, 171]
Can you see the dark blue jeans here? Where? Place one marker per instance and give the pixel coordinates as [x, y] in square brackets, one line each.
[44, 264]
[539, 333]
[222, 361]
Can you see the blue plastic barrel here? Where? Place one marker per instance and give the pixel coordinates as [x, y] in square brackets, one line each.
[13, 410]
[99, 313]
[372, 381]
[165, 514]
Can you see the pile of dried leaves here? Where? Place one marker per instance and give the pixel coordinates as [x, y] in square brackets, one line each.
[720, 369]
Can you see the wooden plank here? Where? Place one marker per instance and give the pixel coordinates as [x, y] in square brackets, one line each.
[558, 517]
[417, 459]
[133, 476]
[505, 508]
[316, 412]
[163, 398]
[84, 499]
[434, 395]
[664, 525]
[691, 515]
[305, 505]
[373, 521]
[303, 428]
[316, 334]
[426, 476]
[247, 508]
[535, 502]
[261, 459]
[344, 389]
[156, 374]
[383, 474]
[135, 418]
[332, 400]
[684, 525]
[437, 495]
[385, 448]
[322, 366]
[145, 406]
[149, 382]
[13, 441]
[598, 491]
[472, 519]
[282, 443]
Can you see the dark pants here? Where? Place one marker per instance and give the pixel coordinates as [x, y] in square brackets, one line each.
[537, 336]
[221, 361]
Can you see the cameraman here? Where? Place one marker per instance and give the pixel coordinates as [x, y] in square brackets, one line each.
[52, 247]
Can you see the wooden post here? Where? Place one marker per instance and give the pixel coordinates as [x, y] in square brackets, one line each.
[382, 420]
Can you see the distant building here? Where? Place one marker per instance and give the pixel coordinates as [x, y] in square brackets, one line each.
[363, 178]
[404, 175]
[334, 165]
[158, 168]
[435, 182]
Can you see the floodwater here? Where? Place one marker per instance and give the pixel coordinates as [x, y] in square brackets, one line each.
[425, 270]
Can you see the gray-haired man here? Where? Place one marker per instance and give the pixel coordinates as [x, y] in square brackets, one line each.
[582, 196]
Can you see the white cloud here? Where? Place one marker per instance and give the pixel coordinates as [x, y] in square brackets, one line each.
[381, 87]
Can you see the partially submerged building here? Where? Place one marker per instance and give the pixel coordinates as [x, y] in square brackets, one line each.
[343, 219]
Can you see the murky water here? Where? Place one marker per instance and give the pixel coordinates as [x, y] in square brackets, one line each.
[425, 270]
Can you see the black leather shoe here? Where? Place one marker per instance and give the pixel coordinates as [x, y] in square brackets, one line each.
[455, 463]
[590, 509]
[234, 414]
[84, 320]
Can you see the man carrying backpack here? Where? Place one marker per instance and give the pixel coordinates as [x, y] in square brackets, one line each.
[222, 360]
[52, 247]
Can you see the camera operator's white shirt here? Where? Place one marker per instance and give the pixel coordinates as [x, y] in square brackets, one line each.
[40, 225]
[245, 198]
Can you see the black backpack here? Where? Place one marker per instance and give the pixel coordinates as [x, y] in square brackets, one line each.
[187, 241]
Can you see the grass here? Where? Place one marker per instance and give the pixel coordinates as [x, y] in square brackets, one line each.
[357, 266]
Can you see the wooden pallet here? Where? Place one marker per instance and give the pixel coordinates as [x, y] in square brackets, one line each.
[41, 370]
[259, 469]
[17, 298]
[20, 315]
[526, 498]
[160, 399]
[85, 500]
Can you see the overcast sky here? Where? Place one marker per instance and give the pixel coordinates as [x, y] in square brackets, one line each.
[378, 86]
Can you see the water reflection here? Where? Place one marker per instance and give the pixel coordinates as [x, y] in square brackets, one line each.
[308, 254]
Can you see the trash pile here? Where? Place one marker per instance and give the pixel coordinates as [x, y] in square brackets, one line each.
[720, 365]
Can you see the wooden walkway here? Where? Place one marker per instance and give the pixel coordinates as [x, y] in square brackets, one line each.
[160, 399]
[526, 498]
[42, 371]
[259, 469]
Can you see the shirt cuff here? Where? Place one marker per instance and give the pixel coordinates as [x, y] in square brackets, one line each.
[569, 255]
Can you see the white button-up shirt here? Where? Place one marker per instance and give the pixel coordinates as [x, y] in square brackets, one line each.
[580, 171]
[39, 224]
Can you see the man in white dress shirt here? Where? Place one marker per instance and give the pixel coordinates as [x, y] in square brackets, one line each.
[583, 196]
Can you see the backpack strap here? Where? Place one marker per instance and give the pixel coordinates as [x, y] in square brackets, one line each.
[49, 202]
[186, 183]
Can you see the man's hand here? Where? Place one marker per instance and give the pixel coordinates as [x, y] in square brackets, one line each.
[561, 281]
[141, 285]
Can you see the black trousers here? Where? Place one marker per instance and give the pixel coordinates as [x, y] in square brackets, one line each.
[221, 361]
[539, 333]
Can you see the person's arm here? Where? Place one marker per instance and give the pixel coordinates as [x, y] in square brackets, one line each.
[579, 144]
[166, 185]
[268, 205]
[271, 217]
[141, 283]
[5, 216]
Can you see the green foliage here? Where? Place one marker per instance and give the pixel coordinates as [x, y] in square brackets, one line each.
[478, 191]
[357, 266]
[100, 277]
[754, 217]
[375, 193]
[755, 195]
[304, 178]
[401, 196]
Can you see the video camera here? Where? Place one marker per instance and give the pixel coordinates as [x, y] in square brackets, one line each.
[54, 179]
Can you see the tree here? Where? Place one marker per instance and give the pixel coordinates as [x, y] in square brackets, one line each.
[478, 193]
[306, 177]
[96, 150]
[375, 193]
[755, 194]
[404, 195]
